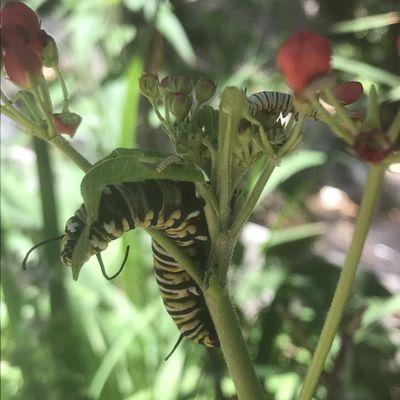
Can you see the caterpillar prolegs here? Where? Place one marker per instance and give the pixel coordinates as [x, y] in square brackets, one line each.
[173, 208]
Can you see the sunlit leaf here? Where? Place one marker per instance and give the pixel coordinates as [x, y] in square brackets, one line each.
[290, 166]
[366, 23]
[365, 70]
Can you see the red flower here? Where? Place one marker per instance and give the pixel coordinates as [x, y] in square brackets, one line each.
[66, 123]
[21, 43]
[20, 27]
[304, 57]
[22, 66]
[348, 92]
[372, 145]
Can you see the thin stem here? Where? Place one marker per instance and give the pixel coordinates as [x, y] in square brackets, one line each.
[255, 194]
[330, 121]
[63, 88]
[46, 111]
[394, 129]
[343, 288]
[224, 170]
[23, 122]
[177, 253]
[340, 111]
[232, 343]
[69, 151]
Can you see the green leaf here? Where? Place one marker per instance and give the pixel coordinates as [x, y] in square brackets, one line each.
[365, 70]
[366, 23]
[291, 165]
[169, 25]
[291, 234]
[124, 165]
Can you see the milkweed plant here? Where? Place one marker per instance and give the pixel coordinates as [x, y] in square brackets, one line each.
[216, 149]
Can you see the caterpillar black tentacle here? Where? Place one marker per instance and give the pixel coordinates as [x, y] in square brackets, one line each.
[173, 208]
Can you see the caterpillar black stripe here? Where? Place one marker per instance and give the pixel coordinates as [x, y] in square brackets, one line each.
[173, 208]
[274, 102]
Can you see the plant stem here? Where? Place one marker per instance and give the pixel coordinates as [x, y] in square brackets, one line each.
[251, 201]
[342, 292]
[233, 346]
[68, 150]
[177, 253]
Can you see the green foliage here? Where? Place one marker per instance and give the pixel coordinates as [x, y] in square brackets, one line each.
[121, 328]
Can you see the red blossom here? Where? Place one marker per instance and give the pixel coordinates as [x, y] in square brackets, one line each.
[20, 27]
[304, 57]
[21, 43]
[22, 66]
[348, 92]
[372, 145]
[66, 123]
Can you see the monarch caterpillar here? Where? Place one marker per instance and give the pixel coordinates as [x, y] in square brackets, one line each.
[274, 102]
[173, 208]
[172, 159]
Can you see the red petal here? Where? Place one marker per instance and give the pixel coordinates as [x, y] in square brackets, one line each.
[303, 57]
[348, 92]
[19, 14]
[20, 64]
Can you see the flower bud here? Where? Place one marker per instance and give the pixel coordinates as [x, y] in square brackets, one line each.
[182, 84]
[66, 123]
[204, 90]
[149, 86]
[372, 145]
[244, 131]
[166, 86]
[180, 105]
[50, 51]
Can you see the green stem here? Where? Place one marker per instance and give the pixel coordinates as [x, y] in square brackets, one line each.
[63, 88]
[340, 111]
[342, 292]
[331, 122]
[394, 129]
[26, 124]
[255, 194]
[177, 253]
[68, 150]
[224, 169]
[232, 343]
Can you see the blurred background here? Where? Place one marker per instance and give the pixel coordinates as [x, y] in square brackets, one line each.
[94, 339]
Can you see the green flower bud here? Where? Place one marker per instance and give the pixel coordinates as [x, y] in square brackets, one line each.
[182, 84]
[165, 87]
[244, 131]
[204, 90]
[148, 84]
[180, 105]
[50, 51]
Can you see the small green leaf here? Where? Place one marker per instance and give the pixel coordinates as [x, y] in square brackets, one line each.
[124, 165]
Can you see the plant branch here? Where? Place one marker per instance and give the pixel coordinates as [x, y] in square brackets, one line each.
[70, 152]
[232, 343]
[255, 194]
[178, 254]
[343, 288]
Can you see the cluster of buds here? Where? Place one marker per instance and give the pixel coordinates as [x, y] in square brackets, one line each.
[25, 49]
[176, 92]
[304, 59]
